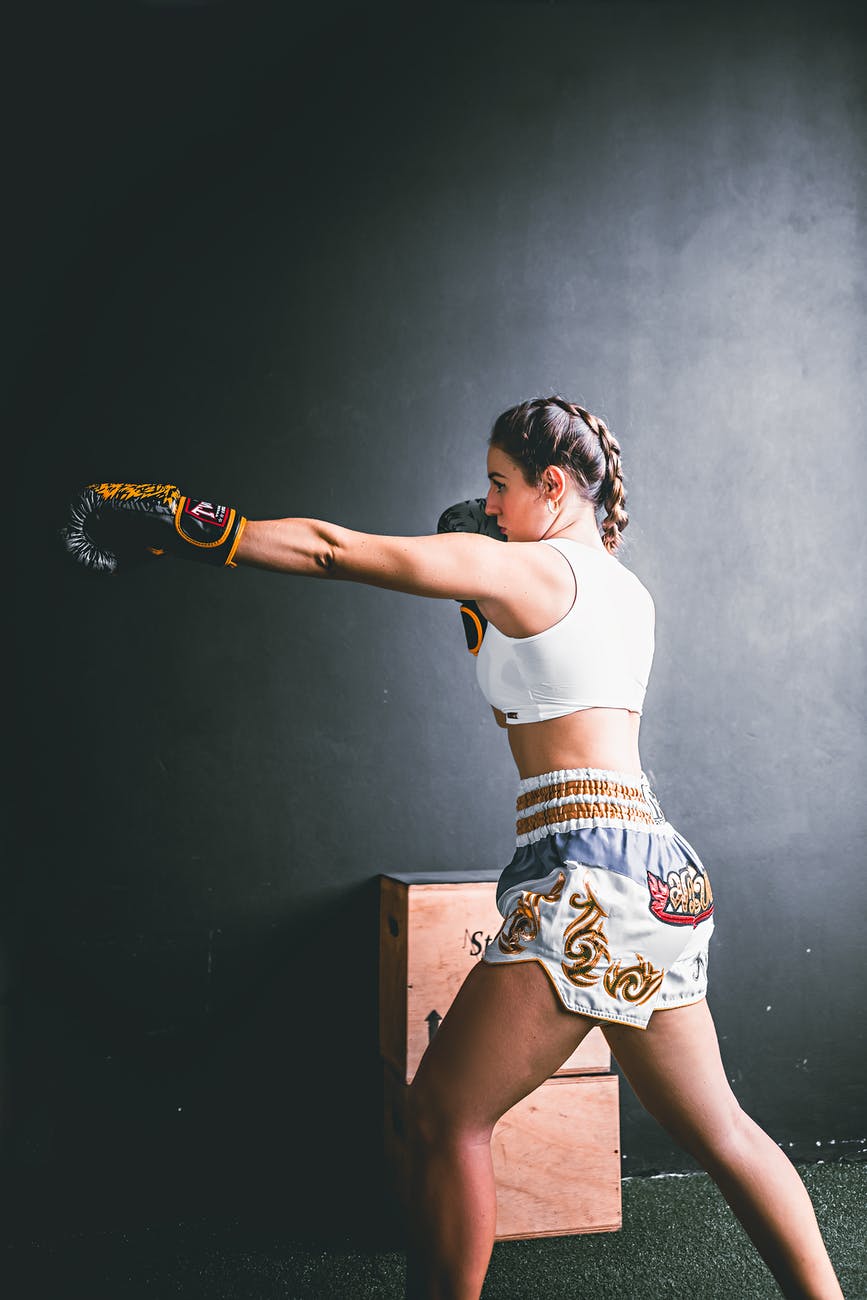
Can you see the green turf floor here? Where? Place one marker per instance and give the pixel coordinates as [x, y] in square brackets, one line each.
[678, 1241]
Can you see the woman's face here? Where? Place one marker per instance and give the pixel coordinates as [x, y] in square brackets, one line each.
[519, 509]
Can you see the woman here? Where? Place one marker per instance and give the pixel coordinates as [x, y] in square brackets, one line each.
[607, 910]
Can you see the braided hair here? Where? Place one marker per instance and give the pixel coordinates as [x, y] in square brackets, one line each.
[551, 431]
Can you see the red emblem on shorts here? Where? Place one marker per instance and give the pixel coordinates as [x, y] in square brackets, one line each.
[684, 899]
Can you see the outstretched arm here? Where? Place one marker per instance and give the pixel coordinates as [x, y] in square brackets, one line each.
[450, 566]
[111, 526]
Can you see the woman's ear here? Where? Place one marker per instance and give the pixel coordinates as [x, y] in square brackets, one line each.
[554, 485]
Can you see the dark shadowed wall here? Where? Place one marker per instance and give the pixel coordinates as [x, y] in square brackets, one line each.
[299, 264]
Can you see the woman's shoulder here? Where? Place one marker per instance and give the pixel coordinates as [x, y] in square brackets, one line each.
[588, 561]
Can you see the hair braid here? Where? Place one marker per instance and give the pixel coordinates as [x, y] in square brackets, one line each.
[613, 495]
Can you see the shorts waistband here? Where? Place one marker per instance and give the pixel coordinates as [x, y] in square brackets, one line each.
[576, 798]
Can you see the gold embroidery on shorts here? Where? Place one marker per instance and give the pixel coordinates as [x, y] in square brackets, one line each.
[584, 941]
[522, 925]
[633, 983]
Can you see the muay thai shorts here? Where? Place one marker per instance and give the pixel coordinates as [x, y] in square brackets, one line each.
[606, 896]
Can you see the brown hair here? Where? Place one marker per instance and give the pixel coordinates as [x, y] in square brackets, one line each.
[551, 431]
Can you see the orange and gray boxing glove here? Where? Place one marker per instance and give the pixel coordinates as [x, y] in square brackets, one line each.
[112, 525]
[470, 517]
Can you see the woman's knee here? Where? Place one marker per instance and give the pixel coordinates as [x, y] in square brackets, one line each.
[715, 1135]
[436, 1120]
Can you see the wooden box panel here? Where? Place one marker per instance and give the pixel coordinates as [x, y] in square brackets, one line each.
[556, 1157]
[433, 928]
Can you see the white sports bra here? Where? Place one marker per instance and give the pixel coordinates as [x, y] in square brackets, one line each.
[597, 656]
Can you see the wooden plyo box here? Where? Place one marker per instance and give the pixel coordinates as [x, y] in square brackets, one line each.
[433, 929]
[556, 1157]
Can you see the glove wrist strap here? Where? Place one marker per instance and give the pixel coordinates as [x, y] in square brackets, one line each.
[213, 530]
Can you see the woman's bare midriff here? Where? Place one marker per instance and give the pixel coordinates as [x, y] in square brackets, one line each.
[606, 738]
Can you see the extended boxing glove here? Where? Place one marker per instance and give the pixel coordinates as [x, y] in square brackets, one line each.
[470, 517]
[110, 525]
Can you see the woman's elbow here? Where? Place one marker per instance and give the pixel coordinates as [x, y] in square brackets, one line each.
[325, 561]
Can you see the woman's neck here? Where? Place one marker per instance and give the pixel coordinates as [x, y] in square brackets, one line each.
[576, 526]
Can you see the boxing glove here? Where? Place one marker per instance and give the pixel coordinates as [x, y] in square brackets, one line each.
[111, 525]
[470, 517]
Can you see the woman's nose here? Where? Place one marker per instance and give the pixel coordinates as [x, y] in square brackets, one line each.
[490, 502]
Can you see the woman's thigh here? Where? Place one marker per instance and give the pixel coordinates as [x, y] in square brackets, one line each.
[505, 1033]
[676, 1071]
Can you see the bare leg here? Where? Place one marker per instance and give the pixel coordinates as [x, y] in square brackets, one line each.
[504, 1035]
[675, 1069]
